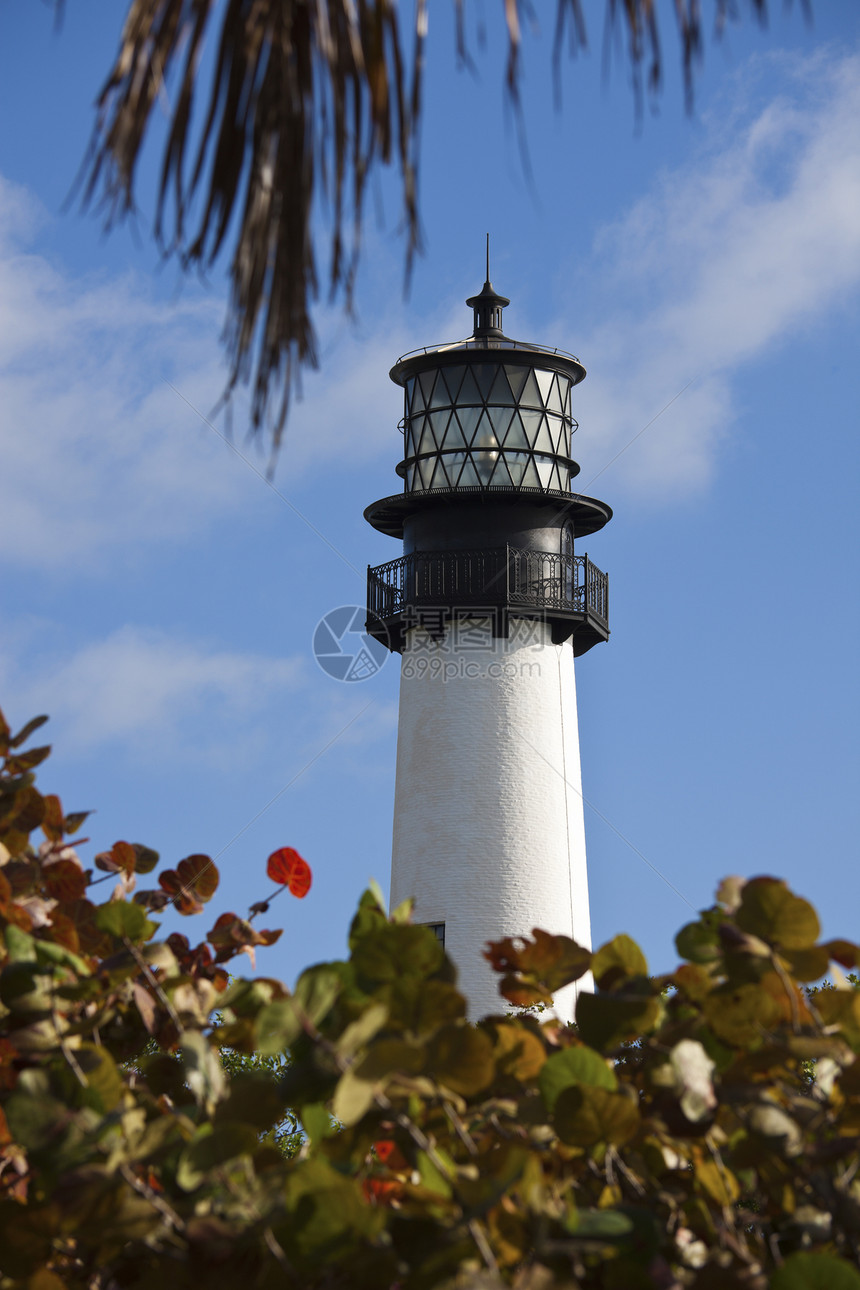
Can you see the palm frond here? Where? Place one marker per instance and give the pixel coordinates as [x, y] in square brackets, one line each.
[306, 97]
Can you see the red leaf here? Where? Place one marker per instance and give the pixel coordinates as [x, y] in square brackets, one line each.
[287, 868]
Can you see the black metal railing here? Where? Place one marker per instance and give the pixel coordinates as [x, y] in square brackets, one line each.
[500, 576]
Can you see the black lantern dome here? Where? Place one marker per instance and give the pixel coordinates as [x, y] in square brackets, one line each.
[487, 425]
[486, 414]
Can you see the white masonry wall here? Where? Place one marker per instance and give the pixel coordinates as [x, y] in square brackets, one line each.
[488, 823]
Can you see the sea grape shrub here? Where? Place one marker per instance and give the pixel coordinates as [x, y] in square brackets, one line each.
[672, 1137]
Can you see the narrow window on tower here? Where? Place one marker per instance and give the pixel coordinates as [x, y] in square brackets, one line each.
[438, 930]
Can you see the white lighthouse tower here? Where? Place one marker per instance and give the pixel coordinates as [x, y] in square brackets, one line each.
[488, 606]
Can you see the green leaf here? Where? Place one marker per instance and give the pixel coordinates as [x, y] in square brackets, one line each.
[369, 918]
[739, 1014]
[104, 1084]
[718, 1183]
[606, 1020]
[146, 858]
[277, 1025]
[316, 991]
[51, 952]
[376, 892]
[616, 960]
[585, 1116]
[325, 1207]
[203, 1069]
[389, 1055]
[574, 1066]
[810, 964]
[461, 1058]
[697, 943]
[123, 919]
[599, 1225]
[35, 1120]
[280, 1023]
[431, 1177]
[352, 1099]
[770, 910]
[20, 946]
[815, 1272]
[396, 950]
[214, 1147]
[253, 1098]
[317, 1121]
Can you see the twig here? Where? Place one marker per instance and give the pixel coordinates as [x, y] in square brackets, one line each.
[460, 1128]
[153, 982]
[143, 1189]
[477, 1233]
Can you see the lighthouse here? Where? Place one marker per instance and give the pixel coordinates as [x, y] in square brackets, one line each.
[488, 606]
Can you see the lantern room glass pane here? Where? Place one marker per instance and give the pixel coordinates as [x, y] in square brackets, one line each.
[454, 438]
[544, 470]
[501, 478]
[453, 462]
[427, 443]
[484, 374]
[516, 463]
[501, 391]
[440, 397]
[453, 377]
[557, 434]
[544, 380]
[484, 463]
[543, 443]
[426, 379]
[554, 402]
[485, 435]
[531, 394]
[516, 378]
[469, 392]
[531, 478]
[500, 419]
[439, 423]
[468, 418]
[516, 436]
[469, 477]
[532, 422]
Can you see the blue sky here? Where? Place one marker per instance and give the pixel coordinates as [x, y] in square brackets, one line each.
[159, 598]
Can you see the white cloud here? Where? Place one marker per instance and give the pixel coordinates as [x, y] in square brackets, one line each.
[724, 259]
[139, 686]
[99, 452]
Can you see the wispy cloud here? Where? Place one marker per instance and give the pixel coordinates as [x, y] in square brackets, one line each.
[733, 254]
[144, 686]
[99, 453]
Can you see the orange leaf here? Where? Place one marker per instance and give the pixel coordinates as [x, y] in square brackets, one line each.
[65, 880]
[52, 824]
[287, 868]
